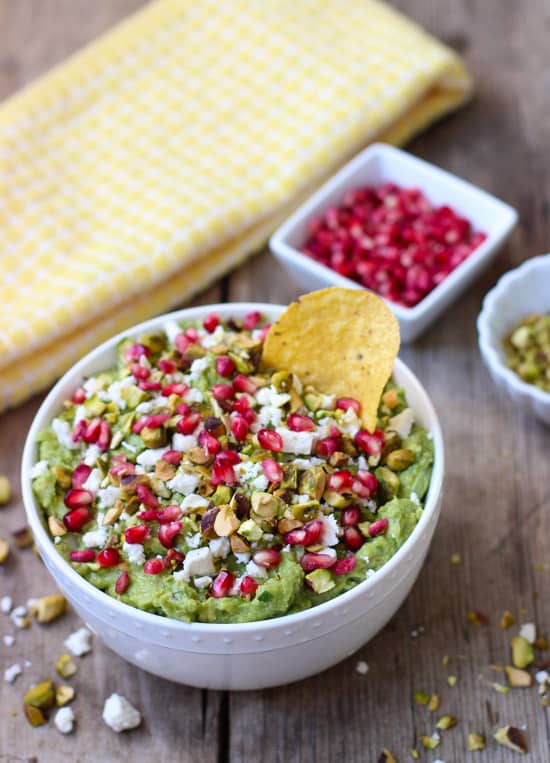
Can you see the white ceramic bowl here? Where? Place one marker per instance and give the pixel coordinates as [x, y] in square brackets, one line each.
[517, 294]
[239, 656]
[379, 164]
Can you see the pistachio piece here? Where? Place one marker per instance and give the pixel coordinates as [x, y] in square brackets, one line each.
[154, 438]
[312, 482]
[65, 666]
[63, 694]
[221, 495]
[239, 544]
[337, 500]
[4, 550]
[62, 476]
[507, 620]
[389, 483]
[226, 521]
[475, 741]
[34, 715]
[452, 681]
[421, 698]
[198, 456]
[290, 477]
[240, 503]
[386, 757]
[518, 678]
[477, 618]
[500, 687]
[511, 737]
[522, 652]
[456, 559]
[338, 459]
[164, 471]
[56, 526]
[446, 722]
[23, 537]
[207, 522]
[42, 695]
[5, 490]
[434, 702]
[282, 381]
[320, 581]
[265, 505]
[541, 643]
[112, 514]
[48, 608]
[399, 460]
[286, 525]
[430, 743]
[250, 530]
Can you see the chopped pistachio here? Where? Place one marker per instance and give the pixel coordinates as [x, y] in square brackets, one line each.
[445, 660]
[451, 680]
[48, 608]
[386, 757]
[65, 666]
[446, 722]
[475, 741]
[399, 460]
[434, 702]
[518, 678]
[500, 687]
[421, 698]
[312, 482]
[56, 526]
[42, 695]
[456, 559]
[541, 643]
[239, 545]
[522, 652]
[226, 522]
[415, 755]
[23, 537]
[34, 715]
[5, 490]
[511, 737]
[250, 530]
[63, 694]
[507, 620]
[112, 514]
[430, 743]
[476, 618]
[4, 550]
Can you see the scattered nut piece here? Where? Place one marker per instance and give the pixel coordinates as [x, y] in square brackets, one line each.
[456, 559]
[446, 722]
[475, 741]
[507, 620]
[386, 757]
[451, 680]
[477, 618]
[434, 702]
[522, 652]
[500, 688]
[48, 608]
[34, 715]
[57, 528]
[421, 698]
[42, 695]
[23, 537]
[511, 737]
[518, 678]
[65, 666]
[63, 694]
[226, 522]
[4, 550]
[112, 514]
[430, 743]
[5, 490]
[541, 643]
[415, 755]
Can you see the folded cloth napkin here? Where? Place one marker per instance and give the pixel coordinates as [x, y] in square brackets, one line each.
[156, 159]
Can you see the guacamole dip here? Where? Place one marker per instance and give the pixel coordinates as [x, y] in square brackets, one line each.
[191, 482]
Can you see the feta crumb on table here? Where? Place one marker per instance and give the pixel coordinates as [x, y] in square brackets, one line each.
[362, 668]
[79, 642]
[12, 672]
[64, 720]
[119, 714]
[6, 604]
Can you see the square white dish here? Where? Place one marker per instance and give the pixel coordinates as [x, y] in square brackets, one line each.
[378, 164]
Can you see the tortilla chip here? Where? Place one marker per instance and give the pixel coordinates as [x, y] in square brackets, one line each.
[342, 341]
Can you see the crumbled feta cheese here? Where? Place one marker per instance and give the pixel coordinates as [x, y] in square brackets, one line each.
[91, 386]
[362, 667]
[205, 581]
[260, 483]
[91, 454]
[193, 541]
[134, 552]
[194, 501]
[198, 562]
[183, 483]
[328, 402]
[362, 463]
[255, 570]
[216, 337]
[242, 558]
[147, 406]
[107, 497]
[220, 547]
[57, 540]
[369, 572]
[95, 538]
[80, 414]
[6, 604]
[300, 498]
[113, 393]
[8, 639]
[64, 434]
[184, 442]
[128, 446]
[148, 458]
[269, 396]
[119, 714]
[269, 414]
[171, 329]
[542, 676]
[327, 551]
[93, 482]
[402, 423]
[193, 395]
[296, 442]
[307, 463]
[18, 616]
[11, 673]
[78, 643]
[38, 469]
[415, 499]
[247, 470]
[529, 632]
[198, 367]
[329, 534]
[64, 720]
[350, 423]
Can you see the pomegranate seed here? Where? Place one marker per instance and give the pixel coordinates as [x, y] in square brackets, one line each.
[192, 334]
[146, 497]
[314, 530]
[268, 558]
[104, 438]
[148, 515]
[79, 396]
[272, 470]
[173, 558]
[239, 427]
[109, 557]
[222, 473]
[167, 533]
[264, 331]
[122, 469]
[222, 391]
[349, 402]
[211, 323]
[228, 457]
[86, 555]
[360, 490]
[92, 431]
[169, 514]
[248, 586]
[151, 422]
[182, 343]
[378, 527]
[153, 566]
[140, 372]
[224, 365]
[172, 457]
[351, 516]
[136, 534]
[326, 447]
[299, 423]
[353, 538]
[174, 389]
[80, 475]
[223, 584]
[242, 383]
[251, 320]
[136, 351]
[370, 443]
[297, 537]
[241, 404]
[311, 561]
[343, 566]
[368, 480]
[77, 497]
[122, 583]
[149, 386]
[270, 440]
[75, 520]
[80, 430]
[210, 443]
[340, 481]
[249, 416]
[167, 366]
[183, 409]
[189, 422]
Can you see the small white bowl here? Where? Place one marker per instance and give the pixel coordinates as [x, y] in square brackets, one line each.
[247, 655]
[517, 294]
[378, 164]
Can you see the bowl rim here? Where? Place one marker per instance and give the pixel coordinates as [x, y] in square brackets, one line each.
[48, 409]
[279, 245]
[486, 336]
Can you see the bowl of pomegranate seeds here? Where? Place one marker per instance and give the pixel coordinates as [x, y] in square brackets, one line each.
[221, 523]
[399, 226]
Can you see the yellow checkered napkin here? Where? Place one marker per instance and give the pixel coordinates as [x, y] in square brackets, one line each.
[161, 155]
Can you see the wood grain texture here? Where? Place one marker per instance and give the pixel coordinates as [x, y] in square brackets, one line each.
[497, 503]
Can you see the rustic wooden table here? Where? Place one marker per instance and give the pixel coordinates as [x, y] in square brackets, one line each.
[497, 491]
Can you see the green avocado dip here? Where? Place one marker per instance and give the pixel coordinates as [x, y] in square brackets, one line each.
[192, 483]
